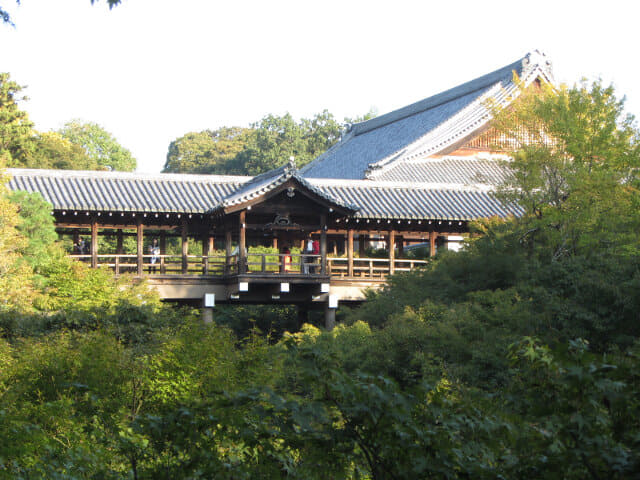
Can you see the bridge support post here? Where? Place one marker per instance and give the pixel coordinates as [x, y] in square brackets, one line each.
[208, 302]
[303, 315]
[329, 317]
[207, 315]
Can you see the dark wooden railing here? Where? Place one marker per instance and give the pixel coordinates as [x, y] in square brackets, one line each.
[256, 263]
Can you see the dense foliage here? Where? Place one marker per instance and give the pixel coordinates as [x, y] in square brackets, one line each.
[516, 358]
[268, 144]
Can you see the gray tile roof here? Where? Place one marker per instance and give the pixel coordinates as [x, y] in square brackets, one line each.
[453, 170]
[424, 128]
[131, 192]
[411, 201]
[126, 192]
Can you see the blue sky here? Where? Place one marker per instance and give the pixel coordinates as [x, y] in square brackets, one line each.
[151, 70]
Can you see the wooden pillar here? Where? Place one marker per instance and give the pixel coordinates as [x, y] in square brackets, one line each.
[119, 250]
[392, 251]
[94, 243]
[400, 246]
[303, 315]
[185, 248]
[432, 243]
[206, 246]
[242, 243]
[212, 244]
[163, 251]
[140, 245]
[119, 242]
[362, 244]
[228, 247]
[350, 252]
[275, 242]
[323, 244]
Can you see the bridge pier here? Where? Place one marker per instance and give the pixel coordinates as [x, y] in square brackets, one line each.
[329, 317]
[207, 315]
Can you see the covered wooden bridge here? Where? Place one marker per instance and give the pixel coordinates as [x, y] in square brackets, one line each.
[416, 175]
[230, 217]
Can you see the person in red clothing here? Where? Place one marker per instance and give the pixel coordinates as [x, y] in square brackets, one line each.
[286, 260]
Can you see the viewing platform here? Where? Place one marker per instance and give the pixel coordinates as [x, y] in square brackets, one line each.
[262, 278]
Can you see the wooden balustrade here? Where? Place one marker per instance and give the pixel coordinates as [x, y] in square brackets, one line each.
[258, 263]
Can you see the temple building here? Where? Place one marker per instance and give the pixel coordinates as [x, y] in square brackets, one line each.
[417, 175]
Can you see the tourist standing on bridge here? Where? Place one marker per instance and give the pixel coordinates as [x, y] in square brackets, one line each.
[308, 259]
[81, 246]
[154, 251]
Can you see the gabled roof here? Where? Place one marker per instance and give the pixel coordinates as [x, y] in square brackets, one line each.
[271, 182]
[427, 127]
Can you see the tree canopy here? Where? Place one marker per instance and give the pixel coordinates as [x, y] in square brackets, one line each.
[209, 151]
[15, 126]
[266, 145]
[100, 146]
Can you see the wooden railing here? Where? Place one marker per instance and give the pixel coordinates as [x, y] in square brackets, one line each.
[369, 267]
[258, 263]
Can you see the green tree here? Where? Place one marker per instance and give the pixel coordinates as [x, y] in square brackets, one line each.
[16, 288]
[100, 146]
[16, 133]
[207, 151]
[574, 169]
[52, 150]
[277, 139]
[37, 226]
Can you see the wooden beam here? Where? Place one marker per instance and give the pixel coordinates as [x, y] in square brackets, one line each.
[113, 226]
